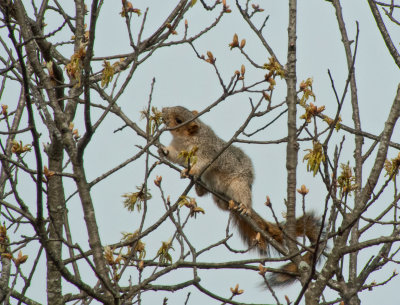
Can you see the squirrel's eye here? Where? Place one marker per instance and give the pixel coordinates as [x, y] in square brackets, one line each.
[178, 121]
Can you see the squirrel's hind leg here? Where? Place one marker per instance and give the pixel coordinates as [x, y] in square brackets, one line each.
[239, 191]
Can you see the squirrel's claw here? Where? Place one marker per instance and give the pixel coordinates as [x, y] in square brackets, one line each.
[243, 209]
[162, 151]
[184, 173]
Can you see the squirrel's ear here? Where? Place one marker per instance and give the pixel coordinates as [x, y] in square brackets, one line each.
[195, 112]
[193, 128]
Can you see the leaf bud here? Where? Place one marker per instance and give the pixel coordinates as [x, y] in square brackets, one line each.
[243, 70]
[303, 190]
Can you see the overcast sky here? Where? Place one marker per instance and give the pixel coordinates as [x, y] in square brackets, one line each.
[183, 79]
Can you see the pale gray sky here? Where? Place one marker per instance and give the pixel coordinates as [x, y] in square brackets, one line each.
[182, 79]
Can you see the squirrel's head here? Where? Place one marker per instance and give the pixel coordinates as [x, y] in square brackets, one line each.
[175, 116]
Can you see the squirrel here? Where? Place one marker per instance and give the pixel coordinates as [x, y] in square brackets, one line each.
[231, 175]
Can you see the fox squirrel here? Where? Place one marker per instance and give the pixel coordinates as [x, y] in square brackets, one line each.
[231, 174]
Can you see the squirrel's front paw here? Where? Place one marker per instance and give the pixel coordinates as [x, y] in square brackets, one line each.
[184, 173]
[163, 151]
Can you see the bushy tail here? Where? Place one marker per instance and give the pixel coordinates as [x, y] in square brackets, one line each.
[286, 275]
[308, 225]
